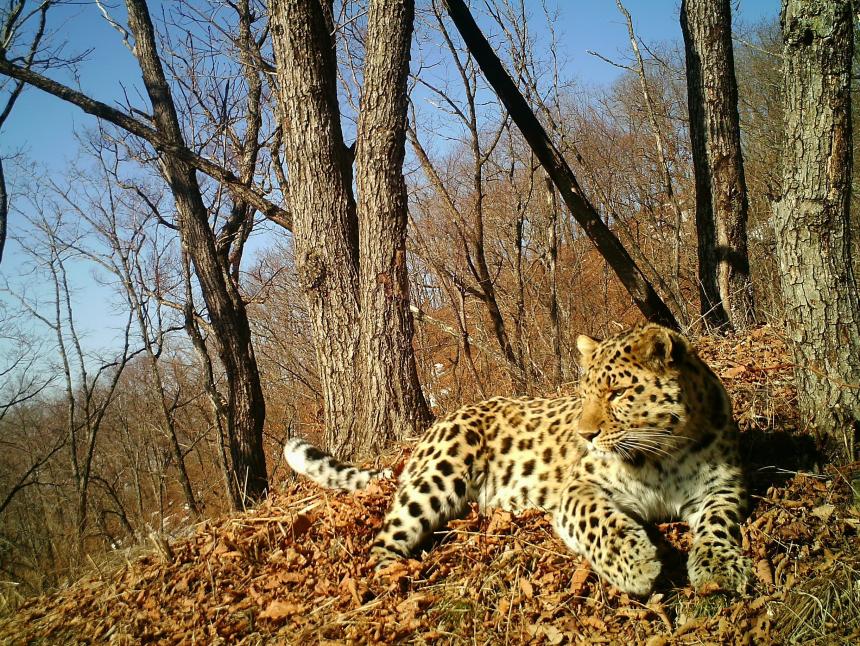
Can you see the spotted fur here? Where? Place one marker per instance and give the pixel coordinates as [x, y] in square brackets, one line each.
[303, 457]
[650, 437]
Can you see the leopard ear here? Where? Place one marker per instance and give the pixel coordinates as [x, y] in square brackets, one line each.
[586, 346]
[660, 347]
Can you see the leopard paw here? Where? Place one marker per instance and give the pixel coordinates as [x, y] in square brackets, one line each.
[383, 557]
[635, 573]
[716, 567]
[640, 580]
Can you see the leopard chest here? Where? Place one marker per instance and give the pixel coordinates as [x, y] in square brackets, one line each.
[658, 491]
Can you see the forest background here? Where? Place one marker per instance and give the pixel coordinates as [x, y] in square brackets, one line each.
[115, 422]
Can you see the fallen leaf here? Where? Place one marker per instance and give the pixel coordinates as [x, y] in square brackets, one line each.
[500, 520]
[764, 571]
[278, 610]
[553, 635]
[526, 588]
[577, 581]
[300, 525]
[824, 512]
[690, 626]
[734, 371]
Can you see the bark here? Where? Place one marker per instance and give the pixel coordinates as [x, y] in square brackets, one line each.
[325, 227]
[812, 219]
[551, 262]
[394, 403]
[245, 406]
[642, 292]
[721, 195]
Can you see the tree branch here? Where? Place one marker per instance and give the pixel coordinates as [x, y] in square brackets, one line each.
[249, 194]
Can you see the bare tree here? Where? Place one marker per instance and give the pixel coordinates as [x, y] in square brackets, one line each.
[13, 18]
[351, 310]
[323, 208]
[721, 192]
[552, 265]
[660, 146]
[643, 294]
[813, 229]
[89, 390]
[21, 381]
[245, 407]
[126, 242]
[476, 276]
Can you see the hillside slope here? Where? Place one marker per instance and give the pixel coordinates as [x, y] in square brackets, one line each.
[295, 569]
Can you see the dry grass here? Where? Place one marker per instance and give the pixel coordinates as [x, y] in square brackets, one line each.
[823, 609]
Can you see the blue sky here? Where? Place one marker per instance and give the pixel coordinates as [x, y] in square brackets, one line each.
[43, 127]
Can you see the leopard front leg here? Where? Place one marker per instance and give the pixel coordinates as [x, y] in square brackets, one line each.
[615, 544]
[715, 561]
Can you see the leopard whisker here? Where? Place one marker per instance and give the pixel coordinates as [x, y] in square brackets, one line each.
[653, 441]
[661, 434]
[645, 447]
[655, 430]
[656, 439]
[623, 451]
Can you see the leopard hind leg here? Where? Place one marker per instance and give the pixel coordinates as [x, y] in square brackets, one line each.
[436, 486]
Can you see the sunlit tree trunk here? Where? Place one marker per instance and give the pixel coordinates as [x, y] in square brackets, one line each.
[394, 403]
[325, 226]
[245, 406]
[721, 193]
[812, 219]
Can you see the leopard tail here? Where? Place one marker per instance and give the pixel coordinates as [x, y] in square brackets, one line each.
[303, 457]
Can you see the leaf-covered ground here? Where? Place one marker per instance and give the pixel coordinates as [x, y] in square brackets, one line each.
[294, 570]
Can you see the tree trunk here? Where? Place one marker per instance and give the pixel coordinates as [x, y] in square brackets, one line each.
[245, 406]
[219, 414]
[812, 219]
[325, 227]
[721, 195]
[394, 403]
[4, 209]
[668, 187]
[551, 262]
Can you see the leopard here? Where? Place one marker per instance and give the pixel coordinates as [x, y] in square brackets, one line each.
[650, 436]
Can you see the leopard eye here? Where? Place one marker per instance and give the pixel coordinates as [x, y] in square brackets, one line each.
[615, 394]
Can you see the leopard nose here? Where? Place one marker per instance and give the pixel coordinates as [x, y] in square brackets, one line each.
[590, 433]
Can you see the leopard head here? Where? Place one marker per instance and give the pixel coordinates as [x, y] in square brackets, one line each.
[644, 392]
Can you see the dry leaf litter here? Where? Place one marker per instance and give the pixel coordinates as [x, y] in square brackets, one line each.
[294, 570]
